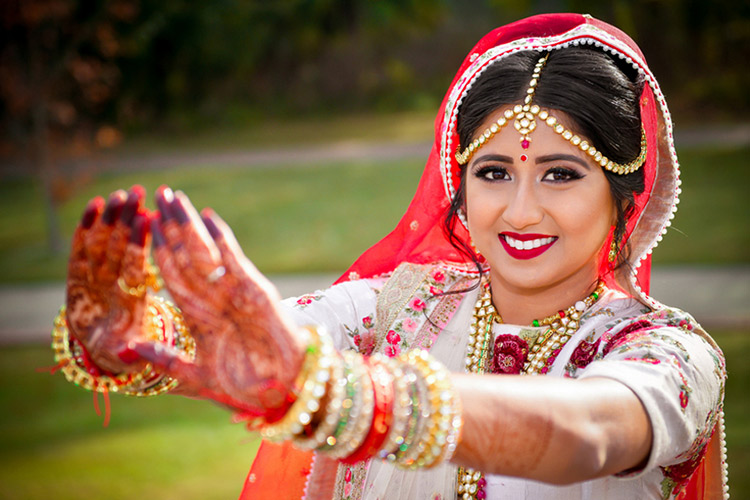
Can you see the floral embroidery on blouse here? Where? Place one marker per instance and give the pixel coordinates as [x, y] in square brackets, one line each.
[305, 300]
[411, 327]
[677, 476]
[584, 353]
[511, 352]
[363, 339]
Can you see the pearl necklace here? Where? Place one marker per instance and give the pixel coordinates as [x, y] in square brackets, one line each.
[562, 325]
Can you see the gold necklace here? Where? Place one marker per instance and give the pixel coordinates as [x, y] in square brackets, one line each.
[542, 353]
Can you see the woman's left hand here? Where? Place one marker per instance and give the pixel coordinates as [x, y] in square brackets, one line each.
[247, 353]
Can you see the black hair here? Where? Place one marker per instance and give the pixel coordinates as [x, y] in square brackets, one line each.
[599, 94]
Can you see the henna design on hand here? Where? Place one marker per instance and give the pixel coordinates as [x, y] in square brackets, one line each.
[243, 343]
[108, 244]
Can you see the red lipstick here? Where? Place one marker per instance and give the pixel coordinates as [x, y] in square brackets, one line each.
[541, 246]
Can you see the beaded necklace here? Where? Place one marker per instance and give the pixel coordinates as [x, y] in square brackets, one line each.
[542, 353]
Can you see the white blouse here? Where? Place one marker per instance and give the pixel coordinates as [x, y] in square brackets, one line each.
[663, 356]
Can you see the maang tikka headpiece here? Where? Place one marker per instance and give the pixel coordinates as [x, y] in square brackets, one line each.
[525, 122]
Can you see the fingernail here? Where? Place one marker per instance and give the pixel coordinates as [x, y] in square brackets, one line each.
[138, 230]
[128, 355]
[138, 190]
[213, 229]
[89, 215]
[164, 198]
[112, 210]
[130, 207]
[179, 212]
[157, 234]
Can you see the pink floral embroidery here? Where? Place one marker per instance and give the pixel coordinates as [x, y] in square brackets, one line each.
[367, 344]
[409, 325]
[417, 304]
[686, 324]
[584, 353]
[392, 350]
[510, 354]
[306, 300]
[438, 276]
[435, 291]
[632, 331]
[357, 340]
[651, 361]
[392, 337]
[367, 322]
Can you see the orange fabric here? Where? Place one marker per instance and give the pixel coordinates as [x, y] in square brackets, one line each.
[706, 482]
[278, 471]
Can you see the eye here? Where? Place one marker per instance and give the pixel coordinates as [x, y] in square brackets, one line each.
[561, 174]
[492, 173]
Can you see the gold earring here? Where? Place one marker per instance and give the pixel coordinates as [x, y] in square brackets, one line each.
[613, 249]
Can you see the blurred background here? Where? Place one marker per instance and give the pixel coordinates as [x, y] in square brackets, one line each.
[305, 124]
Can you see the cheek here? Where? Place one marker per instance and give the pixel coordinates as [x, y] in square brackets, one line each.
[480, 209]
[591, 217]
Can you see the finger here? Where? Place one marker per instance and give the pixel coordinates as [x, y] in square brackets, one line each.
[118, 239]
[259, 288]
[135, 255]
[97, 237]
[194, 252]
[134, 204]
[167, 360]
[170, 228]
[78, 266]
[202, 251]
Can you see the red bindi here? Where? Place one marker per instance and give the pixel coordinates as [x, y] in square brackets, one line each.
[524, 157]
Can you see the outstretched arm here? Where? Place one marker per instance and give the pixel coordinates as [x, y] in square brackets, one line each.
[549, 429]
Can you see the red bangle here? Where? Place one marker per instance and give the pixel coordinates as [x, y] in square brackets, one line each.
[382, 415]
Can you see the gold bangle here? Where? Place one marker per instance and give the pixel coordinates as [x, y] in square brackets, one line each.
[440, 435]
[164, 324]
[70, 356]
[320, 358]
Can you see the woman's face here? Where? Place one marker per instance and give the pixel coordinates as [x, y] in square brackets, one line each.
[539, 223]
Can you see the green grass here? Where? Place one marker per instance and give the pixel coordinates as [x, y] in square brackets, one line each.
[52, 444]
[321, 217]
[287, 219]
[264, 133]
[711, 223]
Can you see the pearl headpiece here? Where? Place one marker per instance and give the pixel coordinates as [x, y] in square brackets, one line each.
[524, 121]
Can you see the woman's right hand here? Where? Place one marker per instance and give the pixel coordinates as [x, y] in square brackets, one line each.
[105, 296]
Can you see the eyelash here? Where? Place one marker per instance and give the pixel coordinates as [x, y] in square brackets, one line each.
[560, 174]
[568, 174]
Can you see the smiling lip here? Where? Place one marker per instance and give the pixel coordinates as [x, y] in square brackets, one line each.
[526, 246]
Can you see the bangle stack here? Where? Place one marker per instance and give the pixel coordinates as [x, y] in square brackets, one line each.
[354, 408]
[163, 324]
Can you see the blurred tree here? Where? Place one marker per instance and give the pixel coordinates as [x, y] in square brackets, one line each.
[57, 72]
[75, 73]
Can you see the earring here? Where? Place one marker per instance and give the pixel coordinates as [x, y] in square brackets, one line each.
[613, 249]
[474, 248]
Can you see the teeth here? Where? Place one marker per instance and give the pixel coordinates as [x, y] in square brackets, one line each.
[528, 244]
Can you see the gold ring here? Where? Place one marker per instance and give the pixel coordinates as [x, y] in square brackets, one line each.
[138, 291]
[216, 274]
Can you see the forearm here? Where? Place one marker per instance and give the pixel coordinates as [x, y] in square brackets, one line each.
[550, 429]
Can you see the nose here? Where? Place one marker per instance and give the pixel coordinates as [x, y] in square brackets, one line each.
[523, 209]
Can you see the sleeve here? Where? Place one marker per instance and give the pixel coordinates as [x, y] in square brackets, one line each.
[346, 311]
[678, 373]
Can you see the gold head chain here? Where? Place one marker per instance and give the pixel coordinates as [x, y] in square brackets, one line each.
[524, 116]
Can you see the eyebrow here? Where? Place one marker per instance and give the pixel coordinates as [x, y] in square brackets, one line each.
[494, 157]
[558, 157]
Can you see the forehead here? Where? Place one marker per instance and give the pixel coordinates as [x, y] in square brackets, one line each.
[542, 140]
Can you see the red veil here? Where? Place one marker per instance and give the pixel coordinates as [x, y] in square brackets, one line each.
[419, 236]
